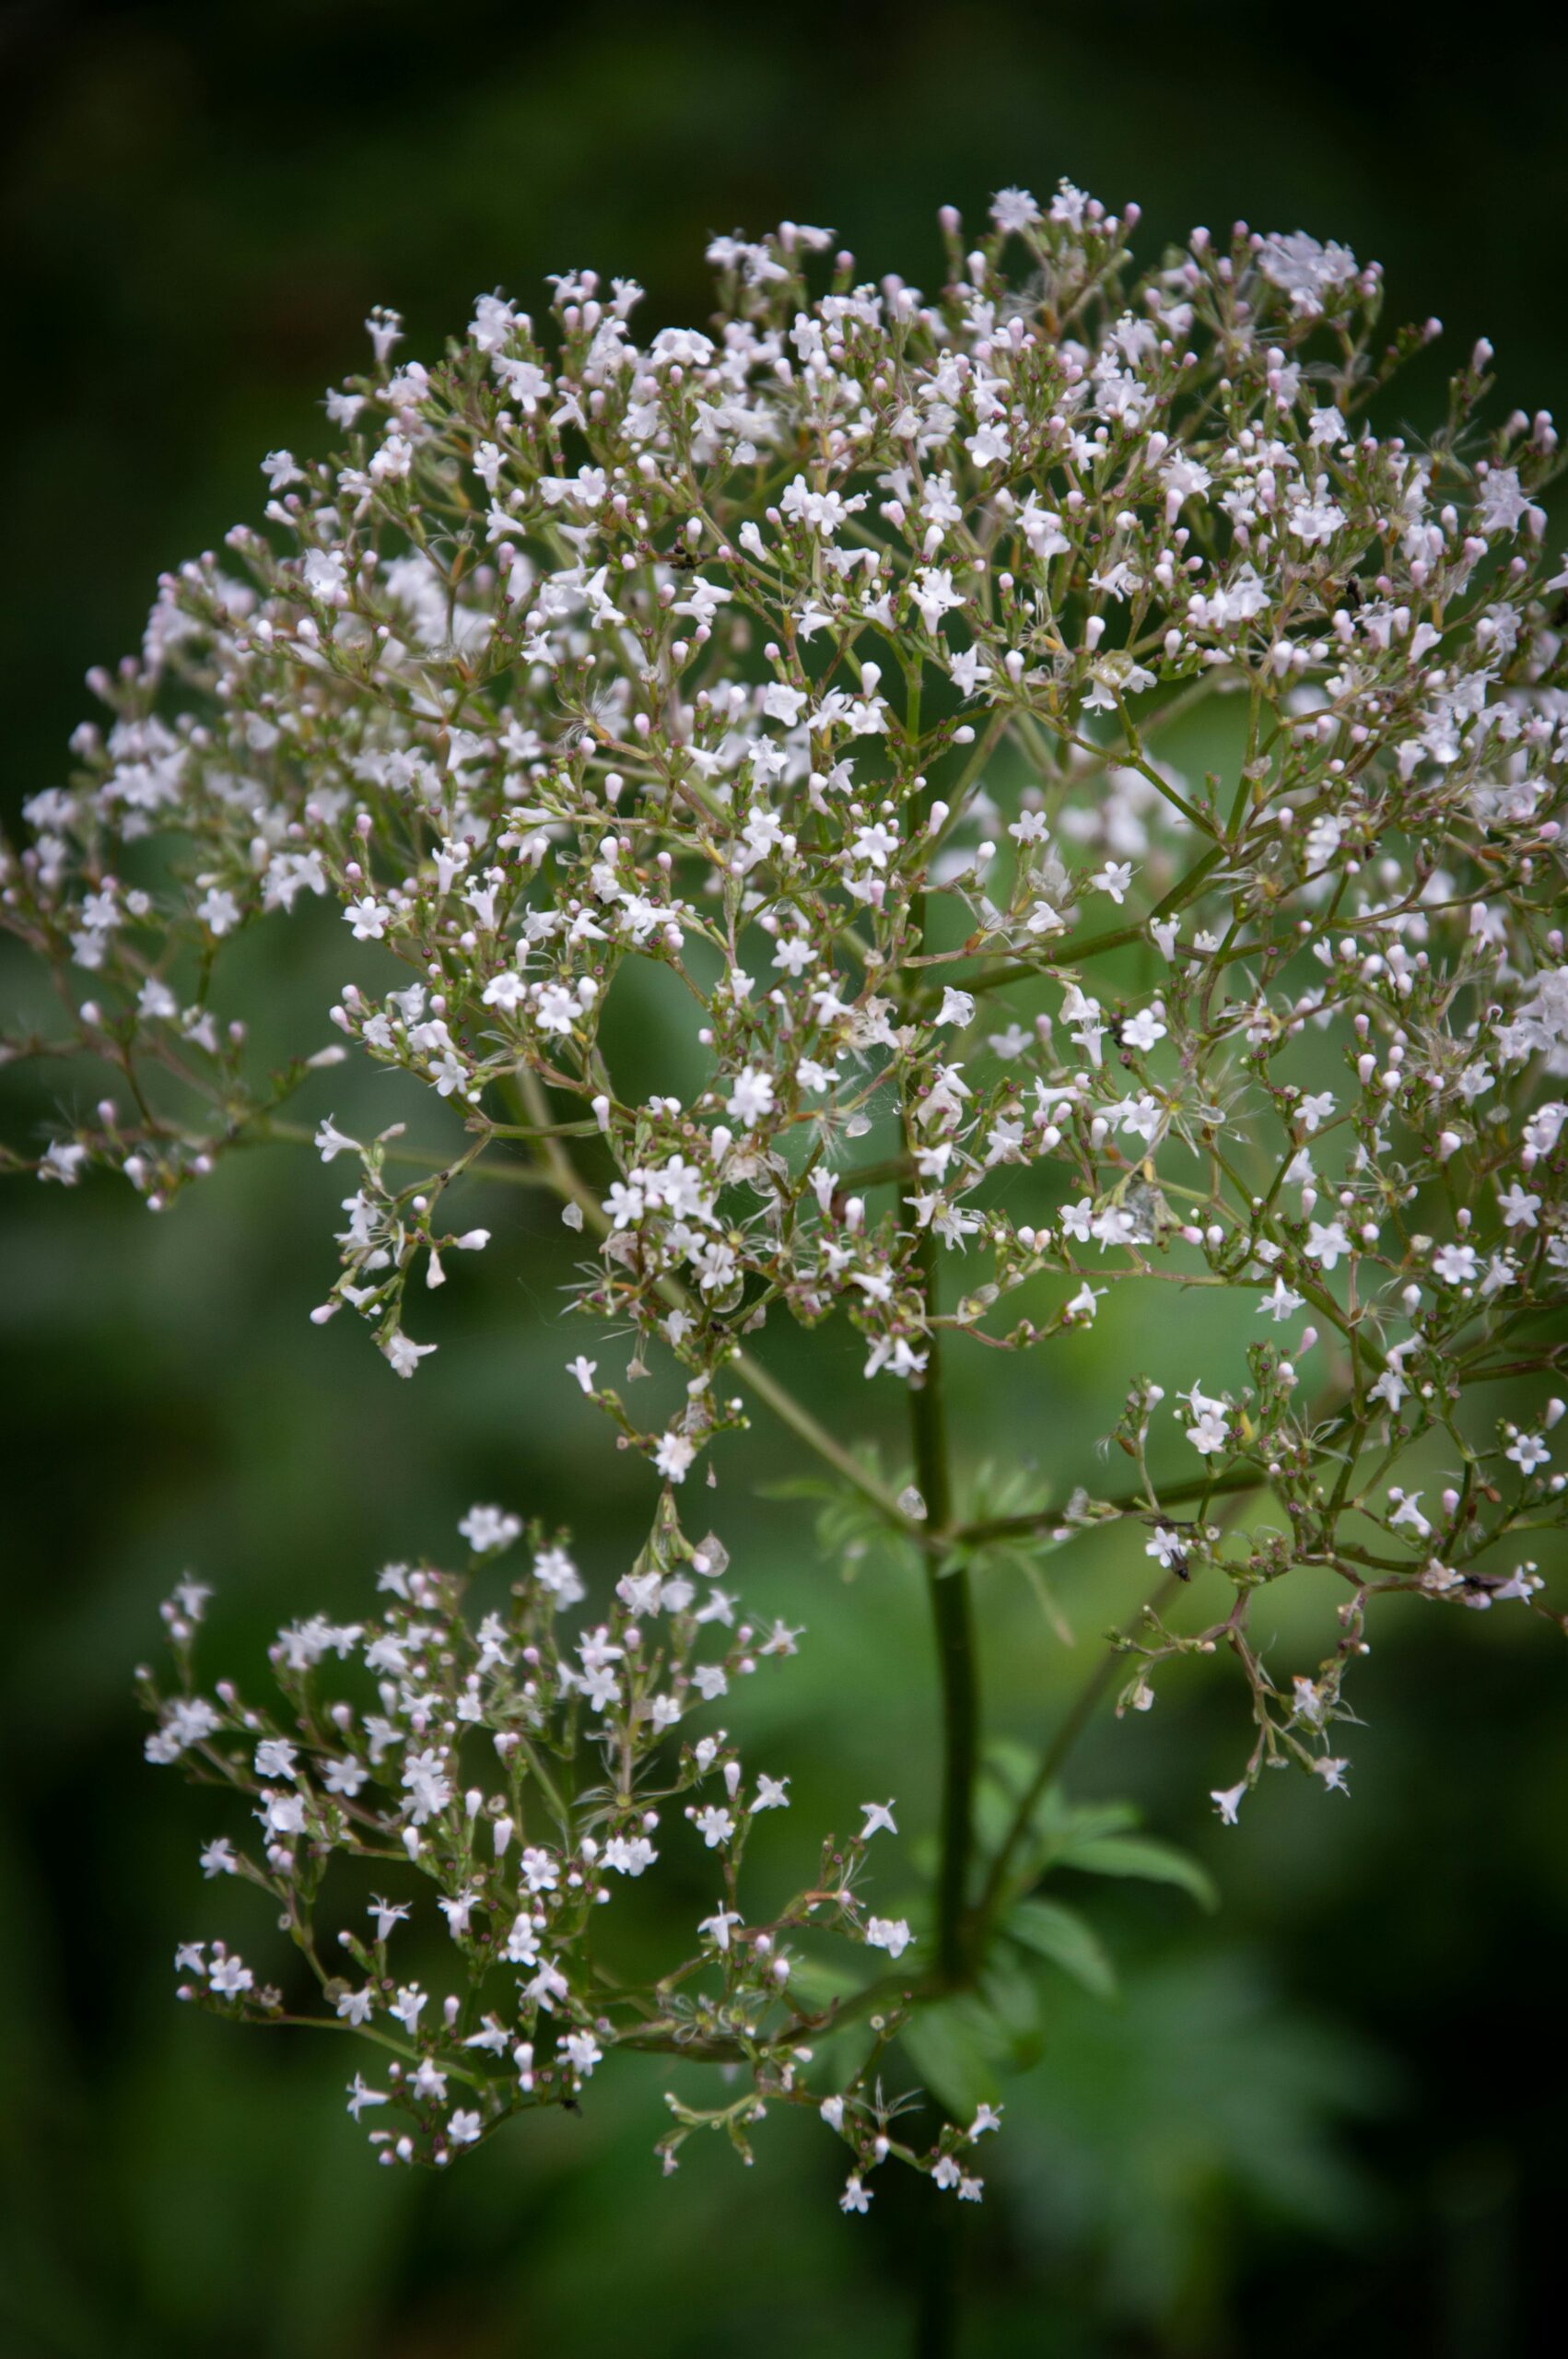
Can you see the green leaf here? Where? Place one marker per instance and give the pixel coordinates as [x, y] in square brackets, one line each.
[1012, 1490]
[1143, 1856]
[1045, 1596]
[1065, 1826]
[1012, 1998]
[1056, 1825]
[818, 1982]
[1068, 1940]
[952, 2046]
[1014, 1763]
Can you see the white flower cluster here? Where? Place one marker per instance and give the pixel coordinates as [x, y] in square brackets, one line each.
[701, 653]
[512, 1783]
[845, 659]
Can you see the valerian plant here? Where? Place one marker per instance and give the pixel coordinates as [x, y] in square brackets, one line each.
[829, 657]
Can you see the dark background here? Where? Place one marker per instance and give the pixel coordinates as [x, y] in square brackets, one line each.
[1327, 2118]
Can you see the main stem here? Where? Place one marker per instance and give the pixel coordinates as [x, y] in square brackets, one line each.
[952, 1625]
[953, 1615]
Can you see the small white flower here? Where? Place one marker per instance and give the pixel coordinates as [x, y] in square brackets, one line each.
[1228, 1800]
[218, 911]
[404, 1355]
[889, 1933]
[1014, 208]
[369, 918]
[673, 1457]
[489, 1529]
[751, 1098]
[582, 2052]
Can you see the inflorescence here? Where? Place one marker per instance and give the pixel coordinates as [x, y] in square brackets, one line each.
[835, 658]
[528, 1780]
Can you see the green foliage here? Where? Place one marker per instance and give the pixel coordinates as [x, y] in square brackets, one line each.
[848, 1528]
[1202, 2105]
[1059, 1933]
[1141, 1856]
[957, 2047]
[1095, 1839]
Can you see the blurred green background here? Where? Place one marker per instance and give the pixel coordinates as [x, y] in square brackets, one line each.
[1327, 2117]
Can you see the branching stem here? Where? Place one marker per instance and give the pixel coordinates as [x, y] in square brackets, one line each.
[556, 1168]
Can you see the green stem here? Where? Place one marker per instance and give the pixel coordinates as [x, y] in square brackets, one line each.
[940, 2279]
[521, 1175]
[953, 1624]
[1195, 1486]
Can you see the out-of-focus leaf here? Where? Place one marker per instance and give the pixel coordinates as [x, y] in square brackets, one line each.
[994, 1807]
[847, 1526]
[1144, 1857]
[1013, 1998]
[815, 1983]
[1044, 1594]
[1204, 2097]
[1056, 1825]
[1068, 1940]
[1010, 1995]
[1011, 1764]
[1015, 1491]
[954, 2046]
[1066, 1822]
[1009, 1490]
